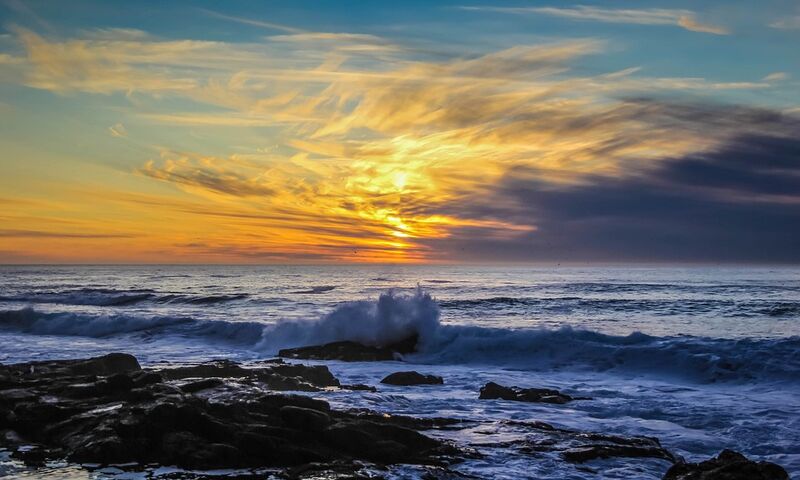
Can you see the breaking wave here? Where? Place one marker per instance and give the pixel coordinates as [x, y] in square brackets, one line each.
[394, 317]
[106, 297]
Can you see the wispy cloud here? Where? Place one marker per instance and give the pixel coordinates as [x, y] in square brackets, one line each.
[52, 234]
[253, 22]
[776, 77]
[647, 16]
[206, 174]
[790, 22]
[118, 130]
[375, 153]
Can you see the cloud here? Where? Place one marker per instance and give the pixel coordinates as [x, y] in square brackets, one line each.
[788, 23]
[11, 233]
[739, 202]
[776, 77]
[253, 22]
[647, 16]
[204, 173]
[118, 130]
[398, 160]
[347, 42]
[690, 23]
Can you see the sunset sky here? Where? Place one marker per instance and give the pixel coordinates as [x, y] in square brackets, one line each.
[413, 131]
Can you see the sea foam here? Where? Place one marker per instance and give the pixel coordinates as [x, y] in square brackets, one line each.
[393, 317]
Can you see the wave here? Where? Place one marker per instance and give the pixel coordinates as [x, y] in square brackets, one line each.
[570, 304]
[393, 317]
[106, 297]
[30, 321]
[697, 359]
[317, 289]
[628, 287]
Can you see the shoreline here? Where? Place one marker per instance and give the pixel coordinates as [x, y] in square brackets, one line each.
[198, 413]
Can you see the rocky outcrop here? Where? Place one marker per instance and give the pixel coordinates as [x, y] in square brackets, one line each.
[728, 465]
[353, 351]
[109, 411]
[544, 395]
[577, 446]
[411, 378]
[276, 375]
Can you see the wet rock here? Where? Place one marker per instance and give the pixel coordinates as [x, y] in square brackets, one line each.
[411, 378]
[198, 385]
[276, 376]
[378, 442]
[133, 416]
[592, 452]
[215, 369]
[353, 351]
[542, 395]
[304, 418]
[575, 446]
[106, 365]
[31, 456]
[728, 465]
[359, 387]
[317, 375]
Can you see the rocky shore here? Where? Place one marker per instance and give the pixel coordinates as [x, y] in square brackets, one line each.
[110, 411]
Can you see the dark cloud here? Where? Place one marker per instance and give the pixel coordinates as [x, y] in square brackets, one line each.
[739, 203]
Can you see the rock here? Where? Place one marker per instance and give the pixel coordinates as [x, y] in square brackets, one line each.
[353, 351]
[359, 387]
[317, 375]
[110, 364]
[106, 365]
[198, 385]
[31, 456]
[728, 465]
[215, 369]
[304, 418]
[412, 378]
[543, 395]
[275, 375]
[103, 412]
[592, 452]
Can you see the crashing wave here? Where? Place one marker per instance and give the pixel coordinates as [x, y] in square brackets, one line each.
[393, 317]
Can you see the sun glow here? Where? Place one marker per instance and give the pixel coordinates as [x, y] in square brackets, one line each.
[302, 146]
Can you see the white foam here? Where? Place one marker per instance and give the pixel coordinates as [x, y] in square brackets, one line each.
[389, 319]
[394, 317]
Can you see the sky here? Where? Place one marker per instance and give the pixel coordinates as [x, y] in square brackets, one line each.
[400, 132]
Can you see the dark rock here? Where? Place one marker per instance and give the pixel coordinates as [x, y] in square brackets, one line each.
[110, 364]
[412, 378]
[728, 465]
[143, 379]
[592, 452]
[543, 395]
[106, 450]
[353, 351]
[304, 418]
[101, 411]
[88, 369]
[198, 385]
[359, 387]
[215, 369]
[276, 376]
[191, 451]
[317, 375]
[31, 456]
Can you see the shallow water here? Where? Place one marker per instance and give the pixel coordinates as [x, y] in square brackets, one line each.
[702, 358]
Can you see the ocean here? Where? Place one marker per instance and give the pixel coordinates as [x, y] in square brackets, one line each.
[703, 358]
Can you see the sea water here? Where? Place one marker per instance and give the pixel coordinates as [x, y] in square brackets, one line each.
[703, 358]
